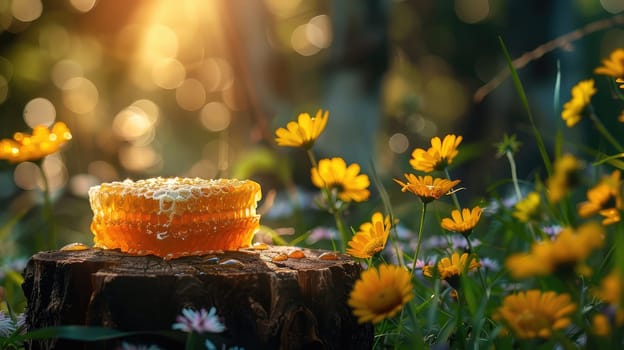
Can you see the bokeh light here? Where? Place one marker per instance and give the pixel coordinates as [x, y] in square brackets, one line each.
[132, 123]
[79, 184]
[39, 111]
[26, 10]
[55, 171]
[168, 73]
[140, 158]
[472, 11]
[300, 40]
[398, 143]
[64, 70]
[191, 95]
[80, 95]
[612, 6]
[215, 116]
[26, 175]
[319, 31]
[204, 168]
[103, 170]
[83, 5]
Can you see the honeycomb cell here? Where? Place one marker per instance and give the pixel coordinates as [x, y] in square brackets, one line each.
[173, 217]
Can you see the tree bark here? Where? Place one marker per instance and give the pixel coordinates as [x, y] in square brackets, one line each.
[264, 304]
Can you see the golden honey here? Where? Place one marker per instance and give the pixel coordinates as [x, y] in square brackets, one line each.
[172, 217]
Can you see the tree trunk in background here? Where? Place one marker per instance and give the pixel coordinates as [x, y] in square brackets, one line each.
[291, 304]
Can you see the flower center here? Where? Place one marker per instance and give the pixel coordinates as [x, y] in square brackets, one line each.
[530, 321]
[374, 246]
[385, 300]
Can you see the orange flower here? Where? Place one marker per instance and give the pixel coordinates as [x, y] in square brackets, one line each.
[567, 252]
[604, 199]
[528, 208]
[462, 222]
[535, 314]
[426, 187]
[334, 174]
[581, 96]
[451, 268]
[612, 66]
[42, 142]
[381, 293]
[565, 176]
[438, 156]
[372, 237]
[303, 132]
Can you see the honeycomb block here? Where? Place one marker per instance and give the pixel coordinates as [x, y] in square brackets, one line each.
[173, 217]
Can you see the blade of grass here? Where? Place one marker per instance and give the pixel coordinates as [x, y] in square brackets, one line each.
[525, 103]
[557, 92]
[385, 199]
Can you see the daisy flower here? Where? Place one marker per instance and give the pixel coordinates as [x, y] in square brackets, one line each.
[426, 187]
[380, 293]
[303, 132]
[565, 253]
[334, 174]
[536, 314]
[199, 321]
[462, 222]
[371, 238]
[438, 156]
[450, 268]
[613, 66]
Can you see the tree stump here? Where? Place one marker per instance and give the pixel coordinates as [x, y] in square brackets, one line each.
[264, 304]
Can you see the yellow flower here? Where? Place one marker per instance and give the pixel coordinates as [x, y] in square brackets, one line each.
[304, 131]
[566, 253]
[605, 199]
[535, 314]
[380, 293]
[462, 222]
[621, 117]
[610, 292]
[601, 325]
[528, 209]
[371, 238]
[581, 96]
[438, 156]
[451, 268]
[426, 187]
[42, 142]
[334, 174]
[611, 288]
[564, 177]
[620, 81]
[612, 66]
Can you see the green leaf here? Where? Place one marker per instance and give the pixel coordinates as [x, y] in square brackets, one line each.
[525, 103]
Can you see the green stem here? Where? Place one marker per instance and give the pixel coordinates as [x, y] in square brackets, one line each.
[453, 195]
[47, 210]
[514, 174]
[330, 201]
[420, 231]
[603, 130]
[344, 238]
[311, 158]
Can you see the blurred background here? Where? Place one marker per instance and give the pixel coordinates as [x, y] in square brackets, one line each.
[197, 88]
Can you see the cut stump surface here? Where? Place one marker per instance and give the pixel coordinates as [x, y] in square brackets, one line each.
[264, 304]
